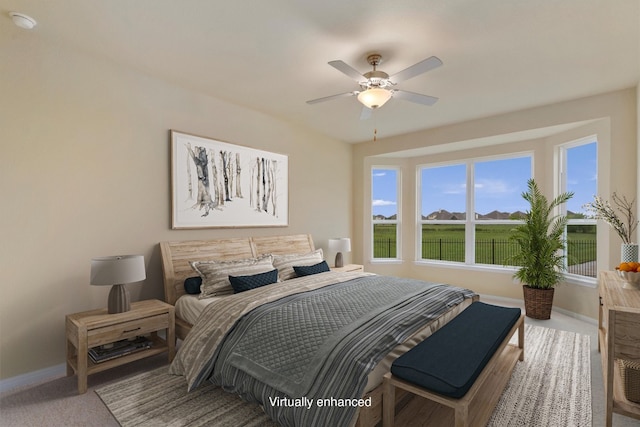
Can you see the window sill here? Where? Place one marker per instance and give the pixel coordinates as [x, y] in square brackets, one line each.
[574, 279]
[385, 261]
[463, 266]
[589, 282]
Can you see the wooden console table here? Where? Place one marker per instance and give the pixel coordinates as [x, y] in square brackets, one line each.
[618, 338]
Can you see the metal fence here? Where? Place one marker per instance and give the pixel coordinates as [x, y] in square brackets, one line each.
[495, 251]
[582, 257]
[384, 248]
[581, 253]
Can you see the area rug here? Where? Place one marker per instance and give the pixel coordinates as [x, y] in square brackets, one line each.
[552, 387]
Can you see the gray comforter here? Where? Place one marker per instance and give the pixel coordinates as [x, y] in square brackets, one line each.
[305, 356]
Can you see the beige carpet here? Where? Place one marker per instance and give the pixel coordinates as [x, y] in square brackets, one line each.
[550, 388]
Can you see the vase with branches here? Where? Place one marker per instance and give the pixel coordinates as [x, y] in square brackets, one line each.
[621, 218]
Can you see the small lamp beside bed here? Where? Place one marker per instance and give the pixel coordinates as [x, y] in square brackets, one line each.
[116, 271]
[339, 245]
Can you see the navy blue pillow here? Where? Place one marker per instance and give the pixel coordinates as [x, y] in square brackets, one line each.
[244, 283]
[308, 270]
[192, 285]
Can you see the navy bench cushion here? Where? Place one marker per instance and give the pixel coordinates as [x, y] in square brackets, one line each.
[449, 361]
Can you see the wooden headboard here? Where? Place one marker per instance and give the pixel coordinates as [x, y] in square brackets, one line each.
[177, 254]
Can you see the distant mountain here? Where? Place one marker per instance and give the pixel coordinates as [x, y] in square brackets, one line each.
[517, 214]
[445, 215]
[382, 217]
[494, 215]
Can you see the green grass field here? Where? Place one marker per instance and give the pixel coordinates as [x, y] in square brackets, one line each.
[446, 242]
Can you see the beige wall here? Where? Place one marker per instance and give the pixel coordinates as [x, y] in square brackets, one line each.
[612, 117]
[84, 172]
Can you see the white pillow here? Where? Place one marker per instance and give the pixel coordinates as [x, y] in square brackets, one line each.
[215, 274]
[285, 263]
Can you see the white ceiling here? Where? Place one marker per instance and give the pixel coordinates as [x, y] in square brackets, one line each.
[272, 55]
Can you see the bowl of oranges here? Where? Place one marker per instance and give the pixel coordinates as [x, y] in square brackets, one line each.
[630, 273]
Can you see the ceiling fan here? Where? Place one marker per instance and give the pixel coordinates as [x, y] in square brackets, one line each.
[377, 87]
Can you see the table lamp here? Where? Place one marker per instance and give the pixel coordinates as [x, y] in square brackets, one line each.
[339, 245]
[116, 271]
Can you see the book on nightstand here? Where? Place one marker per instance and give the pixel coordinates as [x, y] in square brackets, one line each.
[118, 349]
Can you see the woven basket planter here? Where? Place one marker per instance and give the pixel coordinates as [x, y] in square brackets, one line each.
[538, 302]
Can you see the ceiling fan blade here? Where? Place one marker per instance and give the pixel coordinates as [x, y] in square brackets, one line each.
[329, 98]
[365, 114]
[415, 97]
[416, 69]
[347, 69]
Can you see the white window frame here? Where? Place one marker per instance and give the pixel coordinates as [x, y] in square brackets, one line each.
[470, 221]
[475, 223]
[397, 221]
[420, 222]
[560, 178]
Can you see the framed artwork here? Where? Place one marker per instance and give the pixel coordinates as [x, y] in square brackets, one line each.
[217, 184]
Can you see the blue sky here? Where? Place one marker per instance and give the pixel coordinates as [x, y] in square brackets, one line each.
[384, 189]
[581, 171]
[499, 184]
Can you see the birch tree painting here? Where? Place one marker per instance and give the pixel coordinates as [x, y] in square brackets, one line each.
[263, 191]
[217, 184]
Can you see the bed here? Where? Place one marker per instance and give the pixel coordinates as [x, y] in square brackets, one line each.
[231, 327]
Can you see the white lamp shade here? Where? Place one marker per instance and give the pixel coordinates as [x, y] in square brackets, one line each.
[374, 97]
[341, 244]
[117, 270]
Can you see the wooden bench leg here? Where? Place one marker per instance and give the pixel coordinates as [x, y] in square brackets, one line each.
[521, 340]
[462, 416]
[388, 402]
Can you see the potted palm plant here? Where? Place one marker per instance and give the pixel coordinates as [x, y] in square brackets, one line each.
[540, 258]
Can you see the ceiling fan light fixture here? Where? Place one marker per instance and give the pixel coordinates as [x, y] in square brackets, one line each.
[374, 97]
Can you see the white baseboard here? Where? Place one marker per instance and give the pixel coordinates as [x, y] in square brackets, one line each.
[519, 302]
[582, 317]
[42, 375]
[32, 378]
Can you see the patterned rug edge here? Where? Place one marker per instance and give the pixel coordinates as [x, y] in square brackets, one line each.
[157, 398]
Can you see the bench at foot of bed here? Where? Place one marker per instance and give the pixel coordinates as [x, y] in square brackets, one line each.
[464, 366]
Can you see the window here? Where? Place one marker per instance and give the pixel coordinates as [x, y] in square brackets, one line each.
[498, 187]
[385, 184]
[578, 173]
[443, 212]
[473, 227]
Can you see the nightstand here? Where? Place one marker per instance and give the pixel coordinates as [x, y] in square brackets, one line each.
[349, 267]
[96, 327]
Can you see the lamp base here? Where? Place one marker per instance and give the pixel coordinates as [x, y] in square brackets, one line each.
[119, 300]
[339, 261]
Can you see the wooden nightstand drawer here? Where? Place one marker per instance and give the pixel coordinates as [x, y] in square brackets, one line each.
[130, 329]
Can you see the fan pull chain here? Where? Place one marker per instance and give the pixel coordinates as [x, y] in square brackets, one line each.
[375, 125]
